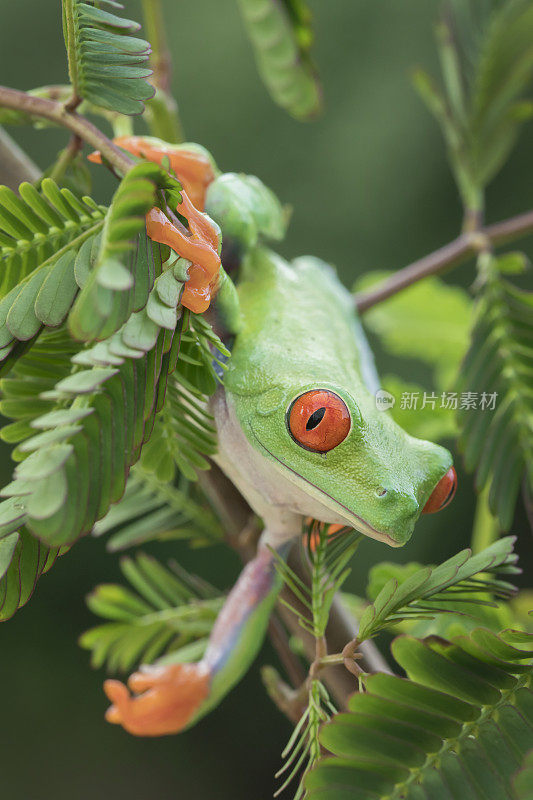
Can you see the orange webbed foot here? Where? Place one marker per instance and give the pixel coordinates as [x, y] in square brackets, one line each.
[163, 699]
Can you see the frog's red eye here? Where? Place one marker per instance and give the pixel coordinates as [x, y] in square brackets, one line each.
[319, 420]
[442, 494]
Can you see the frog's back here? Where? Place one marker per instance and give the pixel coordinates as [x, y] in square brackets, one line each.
[297, 320]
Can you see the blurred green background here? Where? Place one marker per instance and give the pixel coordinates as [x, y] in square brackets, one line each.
[370, 189]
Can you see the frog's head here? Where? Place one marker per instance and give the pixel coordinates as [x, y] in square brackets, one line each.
[349, 457]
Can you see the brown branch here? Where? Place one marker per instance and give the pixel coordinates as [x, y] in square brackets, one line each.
[291, 663]
[57, 112]
[468, 244]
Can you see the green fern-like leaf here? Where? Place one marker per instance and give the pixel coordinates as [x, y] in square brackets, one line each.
[167, 611]
[497, 435]
[281, 35]
[23, 559]
[421, 594]
[108, 64]
[117, 279]
[108, 409]
[480, 106]
[36, 228]
[154, 509]
[460, 613]
[458, 726]
[303, 748]
[26, 392]
[115, 402]
[328, 557]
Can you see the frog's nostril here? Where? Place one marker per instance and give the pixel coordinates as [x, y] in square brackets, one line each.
[381, 492]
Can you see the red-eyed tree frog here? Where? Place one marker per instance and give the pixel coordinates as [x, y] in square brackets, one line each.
[299, 431]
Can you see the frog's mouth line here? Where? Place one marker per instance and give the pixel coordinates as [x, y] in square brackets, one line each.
[354, 520]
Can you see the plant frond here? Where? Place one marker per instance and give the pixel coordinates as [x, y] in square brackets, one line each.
[327, 558]
[153, 509]
[480, 106]
[422, 592]
[108, 64]
[23, 559]
[303, 748]
[36, 228]
[497, 436]
[34, 374]
[458, 726]
[281, 36]
[114, 401]
[166, 611]
[116, 281]
[102, 414]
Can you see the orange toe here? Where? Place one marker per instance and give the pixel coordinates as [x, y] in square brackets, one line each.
[164, 699]
[144, 679]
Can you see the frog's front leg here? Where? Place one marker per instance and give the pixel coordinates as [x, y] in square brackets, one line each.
[166, 699]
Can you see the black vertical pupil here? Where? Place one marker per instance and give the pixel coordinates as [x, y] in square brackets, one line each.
[315, 419]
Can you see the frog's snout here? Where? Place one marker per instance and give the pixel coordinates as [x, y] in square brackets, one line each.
[442, 494]
[399, 511]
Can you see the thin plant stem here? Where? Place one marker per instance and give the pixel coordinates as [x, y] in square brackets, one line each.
[162, 110]
[65, 158]
[485, 530]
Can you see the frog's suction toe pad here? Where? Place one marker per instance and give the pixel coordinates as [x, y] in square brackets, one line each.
[164, 699]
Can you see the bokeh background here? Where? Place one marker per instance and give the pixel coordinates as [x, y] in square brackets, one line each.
[370, 189]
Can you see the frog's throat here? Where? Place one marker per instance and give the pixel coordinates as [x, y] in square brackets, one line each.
[354, 520]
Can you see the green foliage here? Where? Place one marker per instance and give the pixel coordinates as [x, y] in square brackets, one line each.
[428, 321]
[523, 779]
[328, 557]
[168, 611]
[421, 412]
[281, 36]
[498, 442]
[23, 559]
[153, 509]
[100, 405]
[107, 64]
[36, 229]
[327, 560]
[117, 279]
[245, 209]
[421, 594]
[459, 727]
[303, 748]
[113, 409]
[486, 70]
[26, 392]
[457, 615]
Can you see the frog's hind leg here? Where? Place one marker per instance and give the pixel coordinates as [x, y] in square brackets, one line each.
[164, 699]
